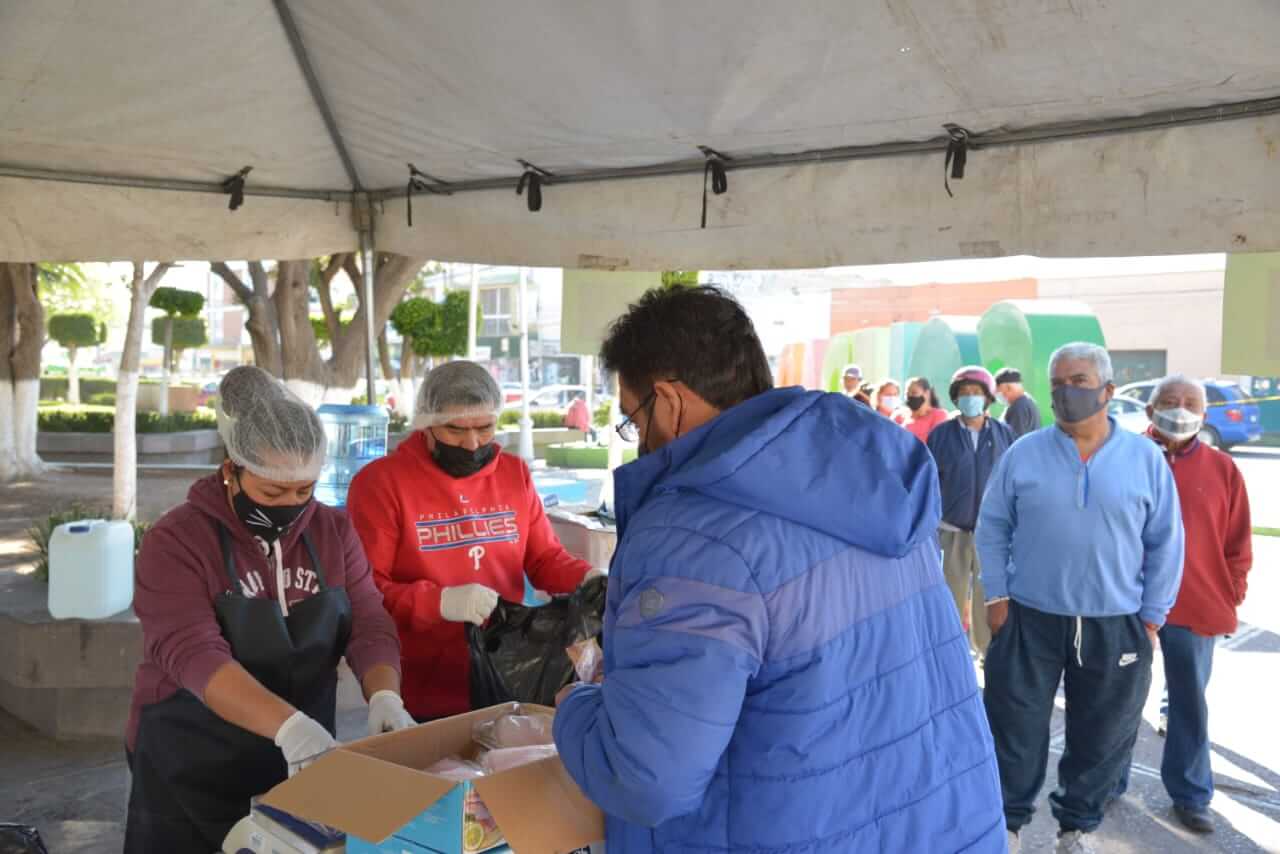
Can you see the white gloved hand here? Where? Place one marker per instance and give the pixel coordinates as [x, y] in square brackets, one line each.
[303, 740]
[470, 603]
[594, 573]
[387, 714]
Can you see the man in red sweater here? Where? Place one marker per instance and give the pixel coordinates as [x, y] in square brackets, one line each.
[451, 525]
[1215, 515]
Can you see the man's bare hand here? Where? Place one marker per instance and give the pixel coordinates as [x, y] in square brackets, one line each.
[997, 614]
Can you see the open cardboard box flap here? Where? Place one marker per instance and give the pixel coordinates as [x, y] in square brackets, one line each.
[373, 787]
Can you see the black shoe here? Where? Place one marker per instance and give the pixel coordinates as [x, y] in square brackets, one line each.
[1194, 820]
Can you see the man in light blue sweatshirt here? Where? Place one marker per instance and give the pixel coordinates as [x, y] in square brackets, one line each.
[1081, 546]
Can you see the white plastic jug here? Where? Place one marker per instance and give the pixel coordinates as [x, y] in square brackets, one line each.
[90, 569]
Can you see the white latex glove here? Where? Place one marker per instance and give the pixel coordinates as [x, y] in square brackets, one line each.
[594, 573]
[470, 603]
[387, 714]
[303, 740]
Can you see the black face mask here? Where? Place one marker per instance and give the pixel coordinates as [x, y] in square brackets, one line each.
[1072, 404]
[459, 462]
[915, 401]
[264, 521]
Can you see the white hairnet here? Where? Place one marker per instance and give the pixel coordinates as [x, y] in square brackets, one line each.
[456, 390]
[267, 429]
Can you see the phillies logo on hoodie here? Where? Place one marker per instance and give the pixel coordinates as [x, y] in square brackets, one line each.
[467, 531]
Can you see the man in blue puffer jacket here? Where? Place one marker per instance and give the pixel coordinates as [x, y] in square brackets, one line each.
[784, 667]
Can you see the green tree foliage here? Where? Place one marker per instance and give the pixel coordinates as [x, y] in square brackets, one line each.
[322, 329]
[188, 333]
[680, 279]
[176, 302]
[432, 328]
[76, 329]
[69, 289]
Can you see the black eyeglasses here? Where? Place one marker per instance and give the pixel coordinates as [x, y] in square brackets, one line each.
[628, 429]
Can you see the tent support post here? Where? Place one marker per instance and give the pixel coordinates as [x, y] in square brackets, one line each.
[362, 214]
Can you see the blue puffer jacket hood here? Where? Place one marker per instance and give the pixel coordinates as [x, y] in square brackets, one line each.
[815, 459]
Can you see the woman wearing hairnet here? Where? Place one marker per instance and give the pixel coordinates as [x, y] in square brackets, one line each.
[248, 594]
[451, 524]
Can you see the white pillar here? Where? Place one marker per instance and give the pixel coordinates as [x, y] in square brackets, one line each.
[472, 310]
[526, 420]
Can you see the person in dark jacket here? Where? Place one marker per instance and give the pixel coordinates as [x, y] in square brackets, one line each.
[784, 670]
[966, 450]
[248, 594]
[1023, 414]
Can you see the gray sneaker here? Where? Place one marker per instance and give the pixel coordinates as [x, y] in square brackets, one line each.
[1074, 842]
[1015, 844]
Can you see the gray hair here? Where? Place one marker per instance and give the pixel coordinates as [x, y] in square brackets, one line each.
[1178, 380]
[1084, 351]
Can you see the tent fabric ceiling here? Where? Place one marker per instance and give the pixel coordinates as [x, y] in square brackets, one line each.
[146, 89]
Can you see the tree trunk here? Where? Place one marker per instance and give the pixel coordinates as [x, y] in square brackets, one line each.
[165, 369]
[73, 376]
[124, 501]
[22, 339]
[305, 372]
[264, 330]
[392, 278]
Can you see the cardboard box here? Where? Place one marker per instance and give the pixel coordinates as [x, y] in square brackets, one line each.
[375, 791]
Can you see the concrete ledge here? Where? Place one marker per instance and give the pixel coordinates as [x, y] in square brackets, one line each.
[69, 679]
[187, 447]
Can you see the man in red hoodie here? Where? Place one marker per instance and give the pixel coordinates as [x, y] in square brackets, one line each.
[451, 525]
[1215, 515]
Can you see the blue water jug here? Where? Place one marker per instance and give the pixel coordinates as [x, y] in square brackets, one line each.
[357, 434]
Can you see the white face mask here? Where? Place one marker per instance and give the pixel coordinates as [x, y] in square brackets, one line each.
[890, 402]
[1001, 399]
[1177, 425]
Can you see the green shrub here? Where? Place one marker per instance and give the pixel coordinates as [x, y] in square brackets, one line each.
[602, 414]
[542, 419]
[55, 388]
[42, 531]
[101, 419]
[106, 398]
[398, 423]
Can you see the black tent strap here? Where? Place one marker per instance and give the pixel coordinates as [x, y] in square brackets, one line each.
[957, 156]
[715, 172]
[532, 178]
[234, 187]
[420, 181]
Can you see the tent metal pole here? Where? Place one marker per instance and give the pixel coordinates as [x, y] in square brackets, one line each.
[473, 305]
[367, 258]
[135, 182]
[526, 417]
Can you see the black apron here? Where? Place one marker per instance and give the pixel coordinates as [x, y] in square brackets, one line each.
[193, 772]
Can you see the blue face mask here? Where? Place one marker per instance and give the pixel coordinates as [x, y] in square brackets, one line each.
[972, 405]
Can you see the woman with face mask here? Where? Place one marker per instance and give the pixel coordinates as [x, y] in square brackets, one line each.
[926, 411]
[451, 525]
[248, 594]
[889, 402]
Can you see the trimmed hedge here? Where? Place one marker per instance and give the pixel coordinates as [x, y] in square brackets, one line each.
[55, 388]
[101, 419]
[542, 418]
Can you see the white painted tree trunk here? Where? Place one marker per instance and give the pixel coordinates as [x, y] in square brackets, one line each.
[8, 441]
[73, 376]
[313, 394]
[124, 499]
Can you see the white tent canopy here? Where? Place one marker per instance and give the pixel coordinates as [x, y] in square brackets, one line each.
[1096, 129]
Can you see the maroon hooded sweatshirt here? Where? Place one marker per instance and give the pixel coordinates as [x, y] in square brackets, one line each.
[180, 571]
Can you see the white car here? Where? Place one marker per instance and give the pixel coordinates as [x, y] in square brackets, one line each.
[1130, 414]
[557, 397]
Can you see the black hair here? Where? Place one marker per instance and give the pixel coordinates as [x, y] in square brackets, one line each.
[1008, 375]
[927, 386]
[699, 336]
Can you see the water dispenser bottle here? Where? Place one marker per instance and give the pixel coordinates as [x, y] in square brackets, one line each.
[357, 435]
[90, 569]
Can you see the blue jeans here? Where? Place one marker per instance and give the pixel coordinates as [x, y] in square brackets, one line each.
[1185, 768]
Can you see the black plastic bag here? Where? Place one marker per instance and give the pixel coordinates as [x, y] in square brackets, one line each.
[519, 654]
[20, 839]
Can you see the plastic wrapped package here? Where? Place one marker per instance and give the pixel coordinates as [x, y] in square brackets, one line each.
[588, 660]
[520, 653]
[520, 729]
[506, 758]
[456, 768]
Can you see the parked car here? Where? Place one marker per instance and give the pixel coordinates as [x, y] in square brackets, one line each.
[1229, 420]
[1129, 413]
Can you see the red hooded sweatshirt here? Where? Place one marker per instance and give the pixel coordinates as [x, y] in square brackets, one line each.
[1215, 515]
[424, 531]
[180, 571]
